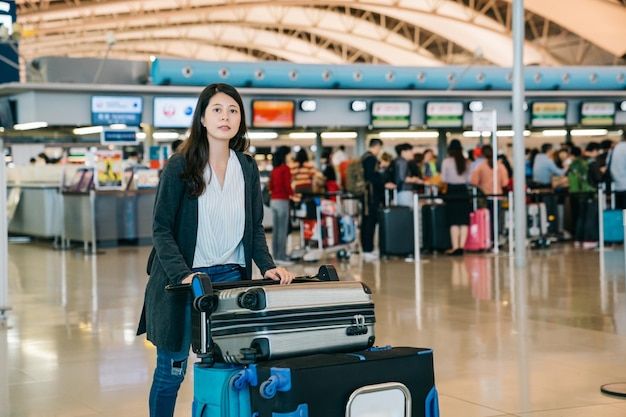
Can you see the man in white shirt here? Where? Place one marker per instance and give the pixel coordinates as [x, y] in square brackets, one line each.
[339, 156]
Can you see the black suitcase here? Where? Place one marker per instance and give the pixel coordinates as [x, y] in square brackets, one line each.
[435, 230]
[382, 382]
[395, 231]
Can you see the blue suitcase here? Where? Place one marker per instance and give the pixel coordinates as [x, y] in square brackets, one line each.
[220, 391]
[613, 226]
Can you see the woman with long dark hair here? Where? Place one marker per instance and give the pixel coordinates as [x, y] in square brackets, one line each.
[207, 217]
[455, 172]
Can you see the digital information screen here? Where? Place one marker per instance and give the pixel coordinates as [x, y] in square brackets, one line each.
[273, 114]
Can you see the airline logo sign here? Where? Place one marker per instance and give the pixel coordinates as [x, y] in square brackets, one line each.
[173, 112]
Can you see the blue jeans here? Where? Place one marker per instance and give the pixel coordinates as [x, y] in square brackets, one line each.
[171, 366]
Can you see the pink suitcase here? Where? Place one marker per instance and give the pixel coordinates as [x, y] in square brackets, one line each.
[479, 234]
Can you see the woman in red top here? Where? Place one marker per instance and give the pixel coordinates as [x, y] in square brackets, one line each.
[282, 192]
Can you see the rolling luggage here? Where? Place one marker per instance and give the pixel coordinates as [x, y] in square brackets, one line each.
[537, 224]
[395, 231]
[245, 321]
[395, 228]
[550, 202]
[347, 229]
[479, 233]
[383, 382]
[217, 392]
[435, 230]
[613, 226]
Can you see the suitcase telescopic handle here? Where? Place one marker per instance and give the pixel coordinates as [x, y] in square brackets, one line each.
[205, 286]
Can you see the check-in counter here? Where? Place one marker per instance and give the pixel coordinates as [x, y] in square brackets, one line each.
[119, 217]
[37, 210]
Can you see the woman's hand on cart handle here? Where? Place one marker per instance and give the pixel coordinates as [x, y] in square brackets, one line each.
[279, 274]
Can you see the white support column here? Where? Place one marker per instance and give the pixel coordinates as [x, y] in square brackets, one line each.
[4, 239]
[519, 174]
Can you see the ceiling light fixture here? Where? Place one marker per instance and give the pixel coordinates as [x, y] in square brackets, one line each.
[302, 135]
[408, 135]
[30, 125]
[339, 135]
[262, 135]
[89, 130]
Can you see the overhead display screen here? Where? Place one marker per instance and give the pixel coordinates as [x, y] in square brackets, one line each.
[108, 110]
[391, 114]
[548, 114]
[596, 113]
[275, 114]
[444, 114]
[173, 112]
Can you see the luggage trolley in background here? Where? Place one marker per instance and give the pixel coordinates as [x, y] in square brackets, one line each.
[324, 229]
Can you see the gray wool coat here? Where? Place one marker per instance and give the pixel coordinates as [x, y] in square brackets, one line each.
[174, 231]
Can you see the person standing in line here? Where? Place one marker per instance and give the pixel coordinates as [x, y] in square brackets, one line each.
[306, 178]
[339, 156]
[584, 176]
[282, 193]
[544, 168]
[429, 164]
[455, 172]
[616, 163]
[407, 175]
[207, 217]
[373, 198]
[482, 177]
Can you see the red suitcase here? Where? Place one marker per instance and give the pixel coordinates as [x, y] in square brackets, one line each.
[479, 234]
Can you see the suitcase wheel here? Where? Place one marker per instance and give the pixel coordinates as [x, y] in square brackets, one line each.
[280, 380]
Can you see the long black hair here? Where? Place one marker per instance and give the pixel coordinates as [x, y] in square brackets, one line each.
[196, 149]
[280, 156]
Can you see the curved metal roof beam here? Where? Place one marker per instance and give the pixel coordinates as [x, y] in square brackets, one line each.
[373, 39]
[204, 41]
[607, 29]
[464, 27]
[446, 18]
[357, 33]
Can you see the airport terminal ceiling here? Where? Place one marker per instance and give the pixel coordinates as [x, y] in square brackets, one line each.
[394, 32]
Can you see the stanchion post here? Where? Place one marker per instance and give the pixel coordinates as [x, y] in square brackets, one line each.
[624, 225]
[510, 225]
[92, 207]
[601, 217]
[416, 228]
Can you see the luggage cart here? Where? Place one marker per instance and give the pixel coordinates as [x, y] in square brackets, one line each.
[324, 229]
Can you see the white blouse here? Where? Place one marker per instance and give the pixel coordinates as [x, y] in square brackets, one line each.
[221, 218]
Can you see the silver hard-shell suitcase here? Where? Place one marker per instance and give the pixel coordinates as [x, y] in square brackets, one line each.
[260, 321]
[288, 320]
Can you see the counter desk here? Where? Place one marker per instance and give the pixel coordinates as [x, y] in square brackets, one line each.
[118, 217]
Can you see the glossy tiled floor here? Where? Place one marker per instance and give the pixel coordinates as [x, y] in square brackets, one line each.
[533, 342]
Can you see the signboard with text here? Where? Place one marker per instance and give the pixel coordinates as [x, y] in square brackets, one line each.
[108, 110]
[444, 114]
[391, 114]
[597, 114]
